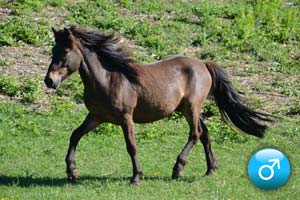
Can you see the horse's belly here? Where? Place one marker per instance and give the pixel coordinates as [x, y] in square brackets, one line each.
[149, 111]
[150, 116]
[142, 117]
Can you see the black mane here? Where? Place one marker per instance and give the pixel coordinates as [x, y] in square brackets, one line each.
[113, 57]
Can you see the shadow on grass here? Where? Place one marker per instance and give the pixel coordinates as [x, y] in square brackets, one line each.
[48, 181]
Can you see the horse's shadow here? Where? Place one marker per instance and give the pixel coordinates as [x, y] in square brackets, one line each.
[28, 181]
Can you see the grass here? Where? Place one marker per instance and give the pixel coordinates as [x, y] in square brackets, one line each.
[253, 27]
[29, 90]
[257, 40]
[32, 157]
[4, 62]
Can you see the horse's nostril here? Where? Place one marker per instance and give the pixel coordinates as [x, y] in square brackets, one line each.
[48, 81]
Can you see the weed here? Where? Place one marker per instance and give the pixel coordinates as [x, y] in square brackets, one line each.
[294, 109]
[24, 30]
[291, 88]
[9, 85]
[108, 129]
[4, 62]
[31, 90]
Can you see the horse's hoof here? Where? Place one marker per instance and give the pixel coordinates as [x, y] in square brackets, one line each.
[177, 174]
[210, 172]
[136, 180]
[72, 176]
[135, 183]
[177, 171]
[212, 169]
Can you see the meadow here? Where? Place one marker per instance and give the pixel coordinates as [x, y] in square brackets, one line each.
[257, 42]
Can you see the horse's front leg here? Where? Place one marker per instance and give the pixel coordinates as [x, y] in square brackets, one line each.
[89, 123]
[128, 129]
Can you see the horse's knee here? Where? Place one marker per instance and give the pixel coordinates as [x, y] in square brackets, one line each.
[195, 136]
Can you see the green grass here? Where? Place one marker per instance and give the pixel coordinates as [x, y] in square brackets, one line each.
[255, 27]
[4, 62]
[9, 85]
[256, 38]
[33, 146]
[29, 90]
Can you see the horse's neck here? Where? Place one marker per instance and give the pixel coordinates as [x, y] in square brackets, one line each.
[92, 72]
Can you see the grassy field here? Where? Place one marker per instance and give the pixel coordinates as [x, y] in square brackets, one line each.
[257, 42]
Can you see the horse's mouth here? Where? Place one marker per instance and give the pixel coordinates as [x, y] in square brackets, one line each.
[51, 84]
[52, 87]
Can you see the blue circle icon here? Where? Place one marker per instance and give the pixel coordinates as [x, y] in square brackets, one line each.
[269, 169]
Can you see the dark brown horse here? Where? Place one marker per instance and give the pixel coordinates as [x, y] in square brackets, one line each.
[121, 91]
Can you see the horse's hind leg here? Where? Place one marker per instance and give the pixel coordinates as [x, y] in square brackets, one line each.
[210, 159]
[193, 121]
[89, 123]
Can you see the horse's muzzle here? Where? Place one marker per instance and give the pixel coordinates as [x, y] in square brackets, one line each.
[50, 83]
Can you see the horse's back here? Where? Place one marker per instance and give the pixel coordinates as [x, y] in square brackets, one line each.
[188, 74]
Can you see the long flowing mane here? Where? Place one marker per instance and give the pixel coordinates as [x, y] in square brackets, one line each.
[111, 55]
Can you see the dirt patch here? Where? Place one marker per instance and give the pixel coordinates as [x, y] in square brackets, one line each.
[265, 85]
[24, 61]
[55, 16]
[5, 13]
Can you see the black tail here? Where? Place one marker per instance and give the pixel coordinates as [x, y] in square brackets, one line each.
[229, 102]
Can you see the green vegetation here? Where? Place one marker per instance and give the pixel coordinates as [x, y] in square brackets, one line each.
[257, 41]
[255, 28]
[29, 90]
[4, 62]
[9, 85]
[33, 146]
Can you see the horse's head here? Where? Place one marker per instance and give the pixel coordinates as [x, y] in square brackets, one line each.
[66, 58]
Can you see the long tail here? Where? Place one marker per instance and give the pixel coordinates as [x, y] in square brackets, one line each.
[231, 108]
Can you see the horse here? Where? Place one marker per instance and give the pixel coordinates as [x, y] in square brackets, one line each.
[122, 91]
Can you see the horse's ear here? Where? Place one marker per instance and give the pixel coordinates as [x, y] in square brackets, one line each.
[70, 36]
[67, 31]
[54, 31]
